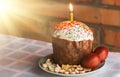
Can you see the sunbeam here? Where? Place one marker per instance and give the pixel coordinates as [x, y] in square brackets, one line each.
[17, 10]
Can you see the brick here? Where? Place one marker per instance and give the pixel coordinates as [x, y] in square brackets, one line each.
[81, 12]
[108, 2]
[50, 8]
[79, 1]
[110, 17]
[112, 37]
[87, 13]
[83, 1]
[117, 2]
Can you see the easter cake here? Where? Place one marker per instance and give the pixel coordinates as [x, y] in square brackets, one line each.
[71, 41]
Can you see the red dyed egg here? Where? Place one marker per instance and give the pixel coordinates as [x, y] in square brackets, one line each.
[91, 61]
[102, 52]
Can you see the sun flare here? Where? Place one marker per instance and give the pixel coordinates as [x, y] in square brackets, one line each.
[13, 11]
[5, 6]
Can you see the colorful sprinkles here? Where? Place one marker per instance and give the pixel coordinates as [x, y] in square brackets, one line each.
[73, 31]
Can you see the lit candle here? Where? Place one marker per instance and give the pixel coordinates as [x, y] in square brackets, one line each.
[71, 11]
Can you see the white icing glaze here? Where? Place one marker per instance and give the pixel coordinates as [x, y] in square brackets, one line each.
[73, 31]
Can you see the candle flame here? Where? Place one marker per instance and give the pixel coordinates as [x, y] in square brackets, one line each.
[71, 7]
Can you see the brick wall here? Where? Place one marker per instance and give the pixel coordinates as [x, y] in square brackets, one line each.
[102, 16]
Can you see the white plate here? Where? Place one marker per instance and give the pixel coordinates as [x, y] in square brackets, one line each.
[43, 59]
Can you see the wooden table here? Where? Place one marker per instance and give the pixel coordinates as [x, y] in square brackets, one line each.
[19, 58]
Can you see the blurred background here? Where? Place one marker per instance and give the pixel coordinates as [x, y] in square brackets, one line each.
[35, 19]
